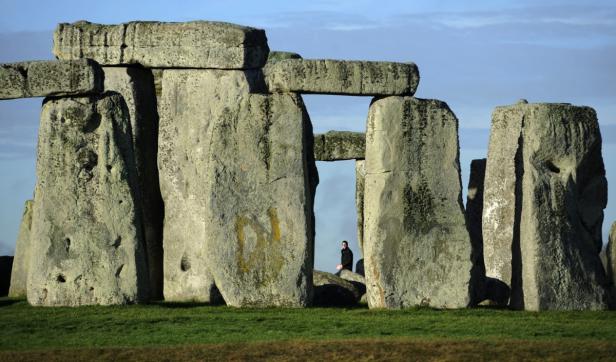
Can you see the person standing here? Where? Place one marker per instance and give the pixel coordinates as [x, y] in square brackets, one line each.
[346, 257]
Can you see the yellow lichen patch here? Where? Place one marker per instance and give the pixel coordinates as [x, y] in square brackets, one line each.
[265, 261]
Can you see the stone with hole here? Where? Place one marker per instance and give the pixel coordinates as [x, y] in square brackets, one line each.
[86, 242]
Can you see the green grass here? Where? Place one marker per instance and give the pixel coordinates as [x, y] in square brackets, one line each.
[193, 327]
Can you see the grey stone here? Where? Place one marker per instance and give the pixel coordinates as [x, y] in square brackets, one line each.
[260, 186]
[352, 277]
[416, 246]
[238, 177]
[6, 264]
[360, 180]
[19, 274]
[341, 77]
[275, 56]
[50, 78]
[195, 44]
[136, 86]
[332, 290]
[473, 213]
[545, 191]
[339, 145]
[86, 243]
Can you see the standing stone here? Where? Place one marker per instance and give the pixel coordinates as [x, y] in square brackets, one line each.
[341, 77]
[417, 249]
[50, 78]
[545, 191]
[136, 86]
[360, 180]
[19, 274]
[238, 180]
[195, 44]
[260, 187]
[86, 238]
[474, 210]
[339, 145]
[187, 106]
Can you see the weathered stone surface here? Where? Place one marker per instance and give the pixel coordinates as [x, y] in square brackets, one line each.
[6, 264]
[86, 243]
[331, 290]
[358, 281]
[50, 78]
[339, 145]
[360, 180]
[473, 213]
[260, 188]
[238, 178]
[19, 274]
[195, 44]
[416, 247]
[545, 191]
[136, 86]
[187, 108]
[275, 56]
[341, 77]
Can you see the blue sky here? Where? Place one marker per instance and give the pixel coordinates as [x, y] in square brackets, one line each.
[473, 55]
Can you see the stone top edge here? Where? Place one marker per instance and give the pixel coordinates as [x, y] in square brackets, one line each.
[540, 105]
[306, 60]
[85, 61]
[153, 22]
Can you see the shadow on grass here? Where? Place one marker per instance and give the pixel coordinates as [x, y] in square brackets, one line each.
[184, 305]
[6, 301]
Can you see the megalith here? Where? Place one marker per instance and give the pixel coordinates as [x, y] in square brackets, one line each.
[339, 145]
[473, 213]
[136, 85]
[86, 237]
[328, 76]
[50, 78]
[19, 273]
[360, 181]
[194, 44]
[238, 178]
[260, 189]
[417, 249]
[545, 191]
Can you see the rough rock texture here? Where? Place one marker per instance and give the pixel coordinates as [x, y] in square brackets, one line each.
[187, 105]
[19, 274]
[359, 281]
[260, 188]
[50, 78]
[6, 264]
[136, 86]
[545, 191]
[86, 237]
[239, 217]
[339, 145]
[610, 253]
[341, 77]
[275, 56]
[416, 247]
[360, 180]
[195, 44]
[473, 213]
[332, 290]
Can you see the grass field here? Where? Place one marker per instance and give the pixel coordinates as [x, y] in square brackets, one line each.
[200, 332]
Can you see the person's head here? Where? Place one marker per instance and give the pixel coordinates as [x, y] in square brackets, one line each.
[345, 244]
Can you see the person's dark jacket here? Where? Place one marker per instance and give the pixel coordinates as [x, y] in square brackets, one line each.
[346, 259]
